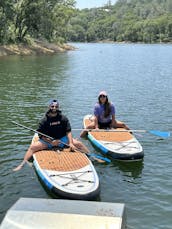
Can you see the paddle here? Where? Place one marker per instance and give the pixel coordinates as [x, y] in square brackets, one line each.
[92, 155]
[162, 134]
[98, 157]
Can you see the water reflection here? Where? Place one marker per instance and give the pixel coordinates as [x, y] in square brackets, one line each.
[27, 80]
[130, 170]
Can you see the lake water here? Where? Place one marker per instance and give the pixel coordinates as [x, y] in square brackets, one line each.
[138, 79]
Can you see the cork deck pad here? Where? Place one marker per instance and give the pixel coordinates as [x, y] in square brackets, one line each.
[61, 160]
[67, 174]
[119, 143]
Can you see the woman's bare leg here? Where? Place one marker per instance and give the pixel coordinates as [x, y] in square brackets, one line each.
[85, 131]
[120, 124]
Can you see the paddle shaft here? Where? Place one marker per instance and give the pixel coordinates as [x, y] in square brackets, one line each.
[28, 128]
[111, 130]
[155, 132]
[96, 157]
[51, 138]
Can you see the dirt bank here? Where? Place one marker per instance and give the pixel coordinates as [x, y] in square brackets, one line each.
[37, 48]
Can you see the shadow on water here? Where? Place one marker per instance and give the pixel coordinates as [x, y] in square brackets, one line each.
[129, 170]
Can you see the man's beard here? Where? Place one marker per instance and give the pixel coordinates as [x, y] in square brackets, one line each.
[53, 111]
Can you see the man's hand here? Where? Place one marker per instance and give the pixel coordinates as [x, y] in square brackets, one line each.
[55, 142]
[72, 147]
[47, 139]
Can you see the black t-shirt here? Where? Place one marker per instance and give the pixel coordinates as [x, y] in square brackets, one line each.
[56, 127]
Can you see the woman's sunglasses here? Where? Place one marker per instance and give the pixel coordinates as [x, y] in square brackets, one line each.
[102, 96]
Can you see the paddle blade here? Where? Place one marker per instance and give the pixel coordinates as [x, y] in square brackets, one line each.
[100, 157]
[160, 133]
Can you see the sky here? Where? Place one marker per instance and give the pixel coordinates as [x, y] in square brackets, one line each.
[81, 4]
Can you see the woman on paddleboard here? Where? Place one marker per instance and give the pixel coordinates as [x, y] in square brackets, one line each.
[104, 115]
[57, 126]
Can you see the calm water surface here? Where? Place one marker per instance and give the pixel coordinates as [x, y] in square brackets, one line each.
[138, 79]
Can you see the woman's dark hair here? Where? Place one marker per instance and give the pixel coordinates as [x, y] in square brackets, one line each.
[107, 107]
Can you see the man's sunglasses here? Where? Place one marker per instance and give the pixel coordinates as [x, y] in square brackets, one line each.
[54, 106]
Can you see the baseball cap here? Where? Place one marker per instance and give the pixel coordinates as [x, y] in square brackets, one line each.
[52, 101]
[103, 93]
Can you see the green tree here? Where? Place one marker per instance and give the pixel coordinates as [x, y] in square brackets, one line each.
[127, 20]
[47, 19]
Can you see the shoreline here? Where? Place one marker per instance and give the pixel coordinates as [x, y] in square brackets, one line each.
[37, 48]
[45, 48]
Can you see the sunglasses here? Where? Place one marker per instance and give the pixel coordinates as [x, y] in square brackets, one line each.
[54, 106]
[102, 96]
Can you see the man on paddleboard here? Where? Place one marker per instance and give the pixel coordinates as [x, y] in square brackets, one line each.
[56, 126]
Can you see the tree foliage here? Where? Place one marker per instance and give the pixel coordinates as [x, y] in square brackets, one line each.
[59, 21]
[45, 19]
[146, 21]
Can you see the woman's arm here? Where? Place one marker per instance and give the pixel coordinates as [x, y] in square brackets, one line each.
[115, 123]
[96, 122]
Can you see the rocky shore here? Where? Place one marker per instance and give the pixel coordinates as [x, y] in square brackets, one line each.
[37, 48]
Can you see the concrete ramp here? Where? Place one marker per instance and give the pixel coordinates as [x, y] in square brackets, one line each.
[30, 213]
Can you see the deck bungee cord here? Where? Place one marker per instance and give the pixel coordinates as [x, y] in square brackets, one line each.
[73, 178]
